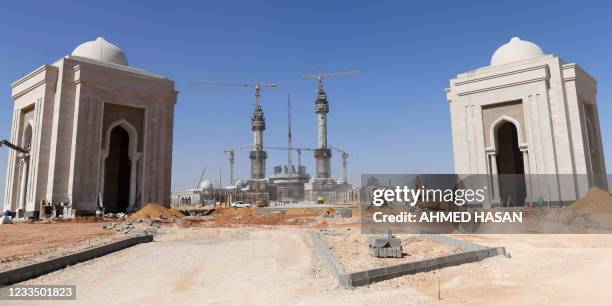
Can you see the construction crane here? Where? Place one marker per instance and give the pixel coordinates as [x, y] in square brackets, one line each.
[344, 162]
[319, 76]
[201, 177]
[258, 86]
[19, 149]
[231, 152]
[289, 161]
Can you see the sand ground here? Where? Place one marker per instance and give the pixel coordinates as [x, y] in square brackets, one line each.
[25, 243]
[278, 266]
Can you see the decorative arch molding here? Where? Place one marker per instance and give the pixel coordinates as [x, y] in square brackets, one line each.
[491, 152]
[132, 132]
[495, 126]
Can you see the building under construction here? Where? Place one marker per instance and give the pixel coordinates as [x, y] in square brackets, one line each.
[322, 187]
[287, 183]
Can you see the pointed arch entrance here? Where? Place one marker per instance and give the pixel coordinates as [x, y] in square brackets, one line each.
[509, 162]
[119, 165]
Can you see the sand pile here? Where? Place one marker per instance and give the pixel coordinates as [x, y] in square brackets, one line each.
[154, 211]
[594, 210]
[595, 201]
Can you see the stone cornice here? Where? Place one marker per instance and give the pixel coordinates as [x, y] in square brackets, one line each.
[499, 75]
[466, 86]
[42, 70]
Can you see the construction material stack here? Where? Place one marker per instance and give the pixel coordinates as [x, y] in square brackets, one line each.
[385, 246]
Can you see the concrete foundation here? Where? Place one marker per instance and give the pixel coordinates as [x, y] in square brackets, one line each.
[475, 253]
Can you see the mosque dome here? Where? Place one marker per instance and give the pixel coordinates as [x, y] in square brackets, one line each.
[206, 185]
[515, 50]
[101, 50]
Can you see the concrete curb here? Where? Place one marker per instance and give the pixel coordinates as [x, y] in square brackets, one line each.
[13, 276]
[474, 252]
[330, 260]
[362, 278]
[458, 243]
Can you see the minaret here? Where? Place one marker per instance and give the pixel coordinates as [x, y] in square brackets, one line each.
[258, 155]
[322, 153]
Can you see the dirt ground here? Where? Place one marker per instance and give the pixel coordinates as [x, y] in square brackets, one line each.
[240, 257]
[351, 250]
[278, 266]
[24, 243]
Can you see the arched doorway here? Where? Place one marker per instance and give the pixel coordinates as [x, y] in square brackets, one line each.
[117, 171]
[510, 165]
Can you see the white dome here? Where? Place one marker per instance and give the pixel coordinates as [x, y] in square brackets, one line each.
[101, 50]
[515, 50]
[205, 185]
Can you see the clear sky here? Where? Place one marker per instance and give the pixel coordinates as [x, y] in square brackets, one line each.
[391, 118]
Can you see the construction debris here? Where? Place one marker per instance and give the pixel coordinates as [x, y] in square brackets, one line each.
[138, 227]
[594, 201]
[156, 211]
[385, 246]
[593, 210]
[344, 212]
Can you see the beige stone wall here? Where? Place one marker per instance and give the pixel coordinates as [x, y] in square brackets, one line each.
[551, 118]
[494, 112]
[33, 95]
[61, 133]
[71, 103]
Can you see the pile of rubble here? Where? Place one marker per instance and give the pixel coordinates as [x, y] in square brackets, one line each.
[594, 210]
[117, 215]
[138, 227]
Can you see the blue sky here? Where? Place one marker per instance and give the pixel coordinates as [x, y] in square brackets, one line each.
[392, 118]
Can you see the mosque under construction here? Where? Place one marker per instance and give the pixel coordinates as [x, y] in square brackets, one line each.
[286, 184]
